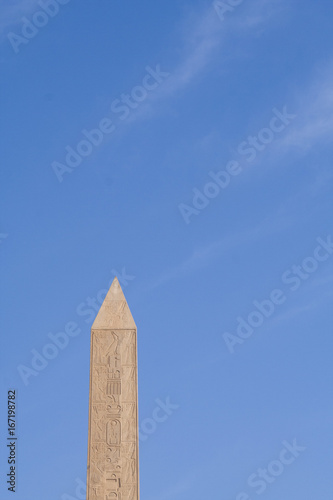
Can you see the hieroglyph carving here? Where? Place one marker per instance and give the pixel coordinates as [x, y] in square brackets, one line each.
[113, 425]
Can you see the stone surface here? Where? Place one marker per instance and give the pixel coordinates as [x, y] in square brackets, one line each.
[113, 465]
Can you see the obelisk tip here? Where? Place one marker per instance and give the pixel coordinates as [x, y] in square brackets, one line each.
[114, 312]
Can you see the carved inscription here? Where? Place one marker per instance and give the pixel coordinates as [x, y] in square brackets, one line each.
[113, 434]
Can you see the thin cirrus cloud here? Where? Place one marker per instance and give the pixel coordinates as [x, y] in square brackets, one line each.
[202, 36]
[314, 108]
[305, 303]
[312, 127]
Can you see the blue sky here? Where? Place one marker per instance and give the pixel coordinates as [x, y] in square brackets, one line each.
[203, 179]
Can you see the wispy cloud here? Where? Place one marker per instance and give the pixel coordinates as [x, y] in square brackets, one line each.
[258, 14]
[314, 107]
[204, 33]
[313, 294]
[312, 104]
[201, 38]
[305, 307]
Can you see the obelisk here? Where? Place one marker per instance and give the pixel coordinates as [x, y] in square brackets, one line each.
[113, 462]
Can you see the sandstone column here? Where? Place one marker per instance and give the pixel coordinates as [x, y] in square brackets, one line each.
[113, 465]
